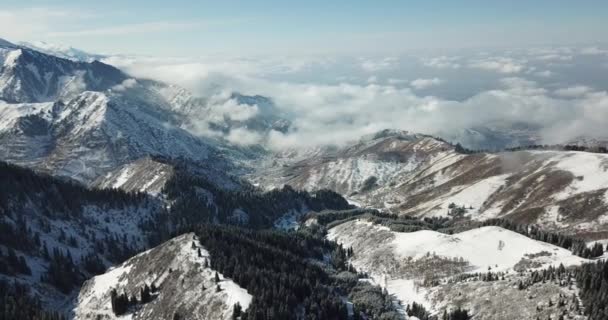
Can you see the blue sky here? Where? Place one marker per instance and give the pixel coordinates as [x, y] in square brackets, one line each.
[271, 26]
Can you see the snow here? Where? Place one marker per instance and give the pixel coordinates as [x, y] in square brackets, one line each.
[147, 185]
[441, 161]
[10, 113]
[481, 247]
[10, 59]
[177, 269]
[353, 172]
[393, 258]
[407, 291]
[122, 178]
[106, 282]
[589, 169]
[552, 216]
[473, 195]
[236, 294]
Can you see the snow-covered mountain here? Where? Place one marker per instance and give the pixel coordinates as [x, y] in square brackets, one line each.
[28, 76]
[496, 135]
[424, 266]
[66, 233]
[186, 286]
[82, 120]
[62, 51]
[152, 159]
[422, 176]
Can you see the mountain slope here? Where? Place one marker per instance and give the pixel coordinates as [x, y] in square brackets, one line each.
[65, 52]
[478, 269]
[65, 233]
[30, 76]
[83, 120]
[93, 133]
[186, 286]
[421, 176]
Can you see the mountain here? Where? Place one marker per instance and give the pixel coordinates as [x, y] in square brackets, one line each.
[61, 51]
[28, 76]
[63, 233]
[484, 270]
[130, 198]
[420, 175]
[185, 285]
[56, 233]
[82, 120]
[496, 135]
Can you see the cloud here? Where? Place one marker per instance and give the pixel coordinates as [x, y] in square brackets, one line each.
[554, 57]
[22, 24]
[593, 51]
[544, 74]
[394, 81]
[499, 64]
[126, 84]
[373, 65]
[573, 92]
[420, 84]
[244, 137]
[442, 62]
[334, 112]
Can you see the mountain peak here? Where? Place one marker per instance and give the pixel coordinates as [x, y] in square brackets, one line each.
[7, 44]
[62, 51]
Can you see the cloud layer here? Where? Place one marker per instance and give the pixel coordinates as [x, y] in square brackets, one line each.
[336, 100]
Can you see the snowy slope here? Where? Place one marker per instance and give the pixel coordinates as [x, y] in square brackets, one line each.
[53, 217]
[419, 175]
[83, 120]
[27, 75]
[482, 248]
[357, 170]
[143, 175]
[493, 247]
[401, 262]
[62, 51]
[186, 286]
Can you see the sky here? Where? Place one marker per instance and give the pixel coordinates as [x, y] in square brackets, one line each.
[342, 69]
[178, 28]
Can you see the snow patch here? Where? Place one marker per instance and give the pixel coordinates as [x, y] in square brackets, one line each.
[486, 247]
[589, 169]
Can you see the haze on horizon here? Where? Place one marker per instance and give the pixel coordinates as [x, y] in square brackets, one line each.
[343, 69]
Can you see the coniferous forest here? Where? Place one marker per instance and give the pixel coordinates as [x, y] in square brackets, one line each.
[279, 270]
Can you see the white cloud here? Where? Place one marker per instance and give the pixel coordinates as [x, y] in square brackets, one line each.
[372, 65]
[394, 81]
[442, 62]
[593, 51]
[498, 64]
[573, 92]
[554, 57]
[372, 79]
[544, 74]
[24, 24]
[335, 113]
[126, 84]
[420, 84]
[242, 136]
